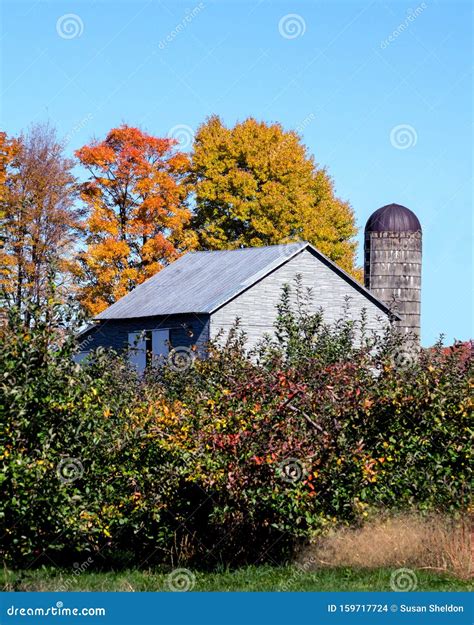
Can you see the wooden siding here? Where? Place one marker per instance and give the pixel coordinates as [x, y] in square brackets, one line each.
[185, 331]
[256, 307]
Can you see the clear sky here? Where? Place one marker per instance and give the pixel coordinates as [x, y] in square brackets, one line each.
[381, 92]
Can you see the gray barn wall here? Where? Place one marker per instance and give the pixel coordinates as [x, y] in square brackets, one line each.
[256, 307]
[113, 333]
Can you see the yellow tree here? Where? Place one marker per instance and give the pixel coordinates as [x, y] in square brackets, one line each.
[40, 223]
[255, 184]
[136, 197]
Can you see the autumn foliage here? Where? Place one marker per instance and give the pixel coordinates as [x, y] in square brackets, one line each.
[138, 215]
[9, 148]
[256, 184]
[39, 217]
[231, 460]
[143, 203]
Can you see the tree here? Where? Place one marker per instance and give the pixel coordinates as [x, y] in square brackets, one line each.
[9, 148]
[255, 184]
[40, 223]
[136, 196]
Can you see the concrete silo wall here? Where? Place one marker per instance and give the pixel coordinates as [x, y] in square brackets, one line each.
[392, 270]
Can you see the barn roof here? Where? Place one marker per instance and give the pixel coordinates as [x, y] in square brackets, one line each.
[202, 282]
[393, 218]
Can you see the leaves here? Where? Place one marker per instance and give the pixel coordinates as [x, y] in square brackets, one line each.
[138, 216]
[255, 184]
[39, 221]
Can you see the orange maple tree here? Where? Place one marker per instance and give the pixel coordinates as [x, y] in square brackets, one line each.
[136, 195]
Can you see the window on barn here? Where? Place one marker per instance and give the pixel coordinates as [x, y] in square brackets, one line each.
[147, 347]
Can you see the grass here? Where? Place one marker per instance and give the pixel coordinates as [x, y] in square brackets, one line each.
[433, 542]
[261, 578]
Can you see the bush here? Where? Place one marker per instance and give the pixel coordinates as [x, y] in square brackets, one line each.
[239, 458]
[75, 458]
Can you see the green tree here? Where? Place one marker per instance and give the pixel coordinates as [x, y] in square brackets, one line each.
[255, 184]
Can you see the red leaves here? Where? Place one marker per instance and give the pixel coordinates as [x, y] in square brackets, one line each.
[227, 441]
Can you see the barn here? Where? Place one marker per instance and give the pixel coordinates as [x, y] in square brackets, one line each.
[202, 293]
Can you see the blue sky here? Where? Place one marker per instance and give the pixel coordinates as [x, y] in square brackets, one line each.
[380, 90]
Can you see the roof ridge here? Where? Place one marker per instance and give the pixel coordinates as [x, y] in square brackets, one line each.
[250, 247]
[203, 286]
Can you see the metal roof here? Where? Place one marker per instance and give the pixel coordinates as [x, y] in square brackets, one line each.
[393, 218]
[202, 282]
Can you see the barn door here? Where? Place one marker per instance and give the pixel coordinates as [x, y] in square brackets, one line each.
[137, 350]
[160, 345]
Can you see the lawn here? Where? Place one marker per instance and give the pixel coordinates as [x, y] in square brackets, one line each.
[262, 578]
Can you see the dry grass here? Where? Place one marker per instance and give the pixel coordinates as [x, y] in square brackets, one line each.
[435, 542]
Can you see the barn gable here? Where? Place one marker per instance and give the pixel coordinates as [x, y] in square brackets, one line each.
[256, 306]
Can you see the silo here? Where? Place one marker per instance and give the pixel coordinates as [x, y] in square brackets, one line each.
[392, 262]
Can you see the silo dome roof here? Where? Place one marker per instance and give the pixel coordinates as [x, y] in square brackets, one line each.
[393, 218]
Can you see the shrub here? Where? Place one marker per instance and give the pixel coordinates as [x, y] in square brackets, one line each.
[74, 456]
[321, 428]
[239, 458]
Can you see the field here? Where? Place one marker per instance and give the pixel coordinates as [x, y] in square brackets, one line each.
[263, 578]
